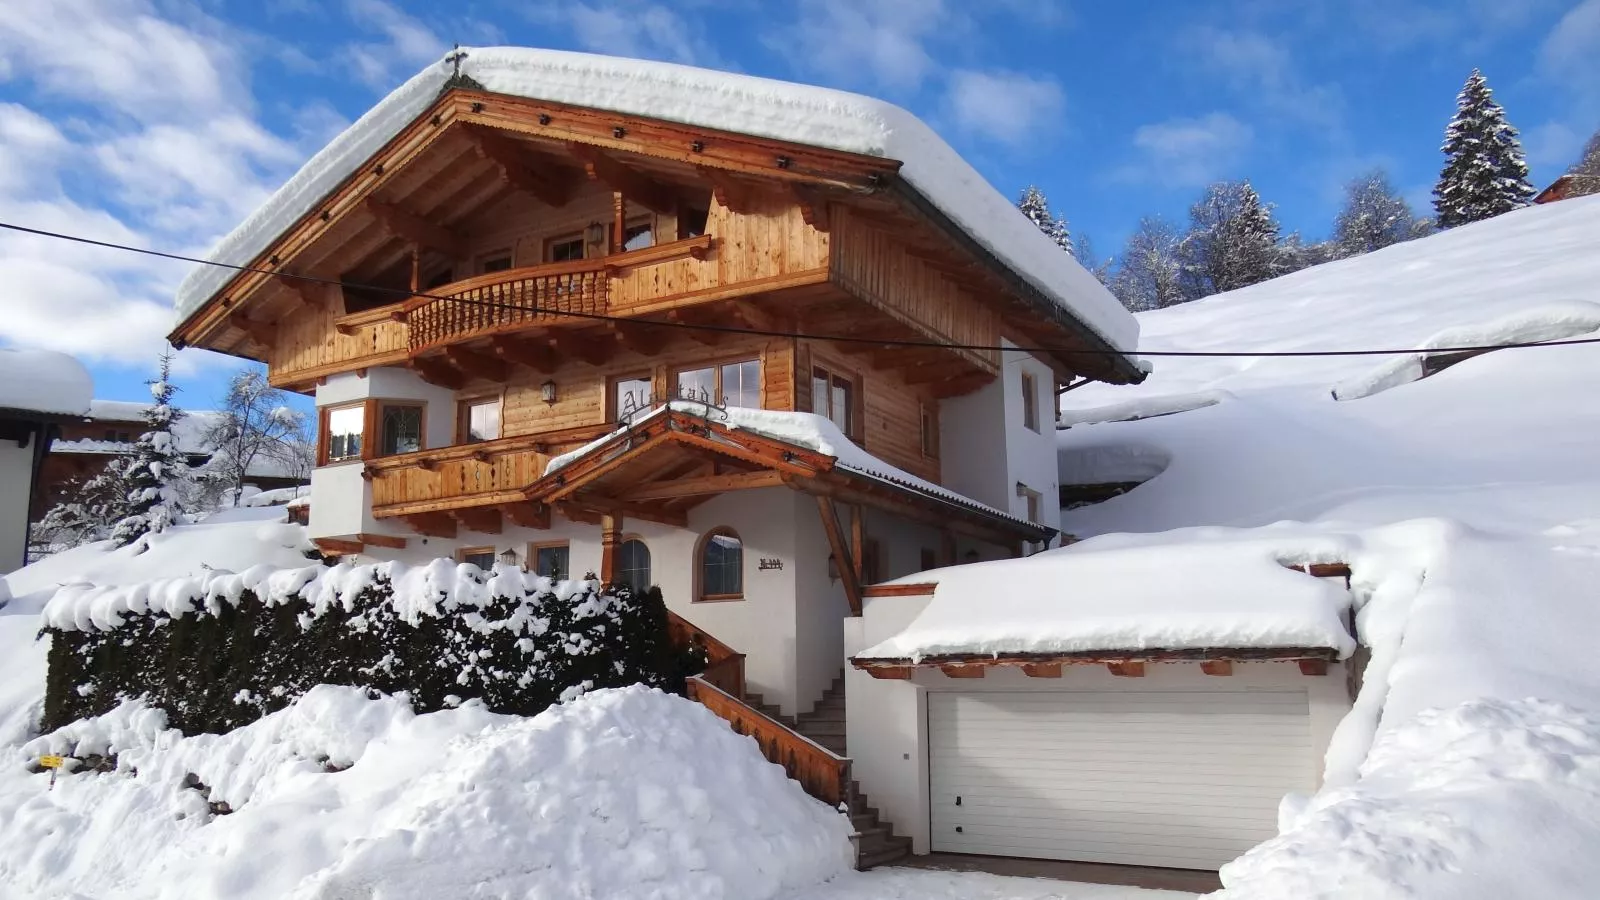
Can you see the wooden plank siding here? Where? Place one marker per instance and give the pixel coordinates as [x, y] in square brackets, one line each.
[889, 417]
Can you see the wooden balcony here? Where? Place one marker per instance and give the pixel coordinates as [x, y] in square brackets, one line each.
[466, 476]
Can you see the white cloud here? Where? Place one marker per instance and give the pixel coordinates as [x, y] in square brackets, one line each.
[1262, 71]
[871, 41]
[1009, 107]
[406, 44]
[644, 30]
[1184, 152]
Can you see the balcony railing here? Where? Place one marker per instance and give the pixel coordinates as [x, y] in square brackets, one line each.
[515, 299]
[468, 475]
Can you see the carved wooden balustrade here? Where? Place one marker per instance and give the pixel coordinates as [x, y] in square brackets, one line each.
[463, 475]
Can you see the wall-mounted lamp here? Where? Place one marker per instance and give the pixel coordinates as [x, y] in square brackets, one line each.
[548, 391]
[595, 233]
[508, 556]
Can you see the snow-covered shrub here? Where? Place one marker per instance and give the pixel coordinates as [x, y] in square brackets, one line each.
[220, 652]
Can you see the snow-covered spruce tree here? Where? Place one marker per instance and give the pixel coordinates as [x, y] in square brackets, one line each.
[156, 470]
[1485, 173]
[1037, 209]
[1098, 266]
[1589, 161]
[1232, 241]
[1150, 273]
[87, 511]
[1374, 216]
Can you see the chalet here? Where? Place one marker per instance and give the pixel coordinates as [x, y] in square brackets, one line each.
[40, 393]
[1570, 185]
[759, 344]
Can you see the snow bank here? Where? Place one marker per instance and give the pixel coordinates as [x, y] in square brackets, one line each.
[624, 793]
[1194, 591]
[1144, 408]
[739, 103]
[44, 381]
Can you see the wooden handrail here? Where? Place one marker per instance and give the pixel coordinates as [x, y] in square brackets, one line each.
[821, 773]
[550, 440]
[724, 665]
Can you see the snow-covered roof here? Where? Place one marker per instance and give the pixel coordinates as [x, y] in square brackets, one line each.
[1222, 591]
[744, 104]
[44, 381]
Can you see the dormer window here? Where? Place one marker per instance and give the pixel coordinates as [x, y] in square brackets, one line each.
[564, 249]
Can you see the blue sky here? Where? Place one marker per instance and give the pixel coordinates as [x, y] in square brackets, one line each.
[163, 123]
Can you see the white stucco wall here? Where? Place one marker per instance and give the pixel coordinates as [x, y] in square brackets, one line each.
[886, 720]
[1030, 455]
[971, 437]
[16, 484]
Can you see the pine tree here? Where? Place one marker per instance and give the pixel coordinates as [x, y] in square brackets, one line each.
[87, 511]
[1232, 242]
[1485, 173]
[1037, 209]
[1373, 217]
[1150, 274]
[156, 470]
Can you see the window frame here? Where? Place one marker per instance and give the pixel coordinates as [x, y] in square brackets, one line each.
[1030, 402]
[1035, 499]
[481, 262]
[650, 559]
[533, 557]
[700, 595]
[857, 396]
[928, 422]
[648, 222]
[325, 437]
[613, 407]
[384, 406]
[463, 552]
[716, 366]
[546, 254]
[464, 416]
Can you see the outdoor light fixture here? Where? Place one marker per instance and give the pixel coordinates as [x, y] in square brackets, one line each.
[595, 233]
[508, 556]
[548, 391]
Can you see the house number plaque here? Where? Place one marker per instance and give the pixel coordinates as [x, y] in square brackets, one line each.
[768, 564]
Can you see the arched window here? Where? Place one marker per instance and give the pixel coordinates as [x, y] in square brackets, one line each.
[633, 564]
[721, 560]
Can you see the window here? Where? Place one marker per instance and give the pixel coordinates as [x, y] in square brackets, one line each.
[114, 435]
[480, 420]
[550, 560]
[730, 384]
[930, 432]
[691, 222]
[833, 396]
[1030, 402]
[629, 396]
[498, 261]
[482, 557]
[564, 249]
[400, 430]
[928, 560]
[633, 565]
[721, 566]
[439, 279]
[1034, 499]
[343, 429]
[639, 236]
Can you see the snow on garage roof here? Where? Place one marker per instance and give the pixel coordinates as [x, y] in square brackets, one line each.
[743, 104]
[1213, 590]
[44, 381]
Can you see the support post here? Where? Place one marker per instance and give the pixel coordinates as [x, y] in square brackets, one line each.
[858, 540]
[610, 537]
[841, 554]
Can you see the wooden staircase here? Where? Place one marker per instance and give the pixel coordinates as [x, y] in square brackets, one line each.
[811, 750]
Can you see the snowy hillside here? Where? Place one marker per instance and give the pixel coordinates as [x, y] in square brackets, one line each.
[1468, 504]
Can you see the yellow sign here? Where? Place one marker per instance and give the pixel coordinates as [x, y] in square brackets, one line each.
[51, 762]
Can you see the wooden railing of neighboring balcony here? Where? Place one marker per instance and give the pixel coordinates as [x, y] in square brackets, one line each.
[724, 665]
[822, 774]
[468, 474]
[514, 299]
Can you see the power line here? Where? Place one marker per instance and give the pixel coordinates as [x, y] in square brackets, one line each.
[779, 333]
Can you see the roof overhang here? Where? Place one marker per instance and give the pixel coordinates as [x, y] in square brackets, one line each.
[1312, 660]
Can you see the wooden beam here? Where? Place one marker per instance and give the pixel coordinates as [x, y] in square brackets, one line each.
[610, 537]
[568, 343]
[437, 371]
[527, 515]
[641, 339]
[1129, 669]
[687, 317]
[506, 156]
[841, 555]
[309, 293]
[898, 590]
[602, 506]
[708, 484]
[1042, 670]
[1217, 667]
[1313, 666]
[731, 193]
[417, 230]
[858, 540]
[963, 671]
[383, 540]
[891, 673]
[753, 315]
[263, 333]
[576, 513]
[482, 519]
[438, 525]
[813, 206]
[337, 546]
[523, 352]
[478, 365]
[964, 384]
[623, 179]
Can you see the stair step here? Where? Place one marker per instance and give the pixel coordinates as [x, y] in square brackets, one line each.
[892, 850]
[814, 729]
[867, 818]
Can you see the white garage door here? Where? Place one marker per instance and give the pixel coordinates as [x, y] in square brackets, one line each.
[1187, 779]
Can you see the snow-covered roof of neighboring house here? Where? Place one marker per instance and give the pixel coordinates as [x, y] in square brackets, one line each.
[1221, 590]
[743, 104]
[44, 381]
[190, 431]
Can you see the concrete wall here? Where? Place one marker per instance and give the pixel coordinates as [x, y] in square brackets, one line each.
[16, 484]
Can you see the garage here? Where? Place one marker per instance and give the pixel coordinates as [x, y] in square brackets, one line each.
[1182, 778]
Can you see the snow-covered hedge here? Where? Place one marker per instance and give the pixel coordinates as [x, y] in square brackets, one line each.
[220, 651]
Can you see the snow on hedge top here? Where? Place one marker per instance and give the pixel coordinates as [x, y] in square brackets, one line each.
[44, 381]
[1211, 589]
[743, 104]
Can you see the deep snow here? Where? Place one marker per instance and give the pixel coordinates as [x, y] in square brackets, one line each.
[44, 381]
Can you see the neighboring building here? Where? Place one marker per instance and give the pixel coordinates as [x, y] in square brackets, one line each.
[1568, 186]
[40, 391]
[509, 271]
[112, 428]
